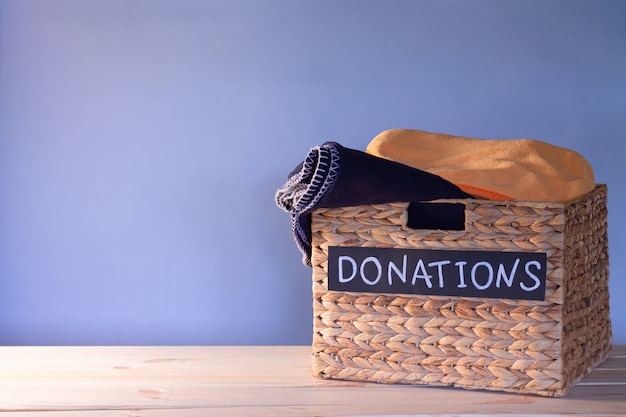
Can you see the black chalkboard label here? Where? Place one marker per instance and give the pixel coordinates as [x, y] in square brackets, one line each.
[487, 274]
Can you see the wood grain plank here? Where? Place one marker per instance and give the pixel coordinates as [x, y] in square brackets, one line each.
[249, 381]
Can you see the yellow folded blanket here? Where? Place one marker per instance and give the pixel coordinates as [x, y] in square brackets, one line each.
[502, 169]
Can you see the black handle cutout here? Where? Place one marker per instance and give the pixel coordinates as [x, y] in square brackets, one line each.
[442, 216]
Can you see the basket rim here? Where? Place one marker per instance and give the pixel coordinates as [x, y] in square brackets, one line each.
[600, 187]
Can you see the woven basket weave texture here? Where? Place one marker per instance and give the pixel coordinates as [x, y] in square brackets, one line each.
[523, 346]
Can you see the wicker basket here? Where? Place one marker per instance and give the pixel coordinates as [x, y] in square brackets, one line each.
[522, 346]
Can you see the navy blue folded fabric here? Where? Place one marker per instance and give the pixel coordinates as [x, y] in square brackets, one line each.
[334, 176]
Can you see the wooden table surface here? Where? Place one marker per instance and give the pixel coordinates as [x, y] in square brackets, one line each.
[254, 381]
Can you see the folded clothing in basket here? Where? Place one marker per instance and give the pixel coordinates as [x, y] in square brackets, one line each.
[518, 169]
[334, 176]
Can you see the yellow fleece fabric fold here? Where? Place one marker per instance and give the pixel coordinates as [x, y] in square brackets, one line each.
[500, 169]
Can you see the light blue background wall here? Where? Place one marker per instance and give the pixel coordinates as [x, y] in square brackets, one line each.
[141, 143]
